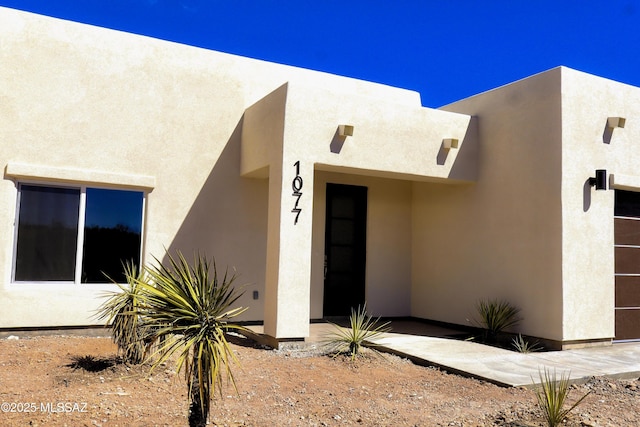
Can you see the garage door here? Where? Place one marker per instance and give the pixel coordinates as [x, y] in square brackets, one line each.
[627, 259]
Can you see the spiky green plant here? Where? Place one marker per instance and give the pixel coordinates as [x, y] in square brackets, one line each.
[363, 328]
[121, 311]
[190, 306]
[495, 316]
[552, 395]
[523, 345]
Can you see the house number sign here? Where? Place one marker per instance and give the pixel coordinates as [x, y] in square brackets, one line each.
[296, 184]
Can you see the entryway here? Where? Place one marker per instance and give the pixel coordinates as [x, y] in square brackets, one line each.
[345, 249]
[627, 265]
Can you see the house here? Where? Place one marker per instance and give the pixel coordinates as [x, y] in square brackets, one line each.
[323, 192]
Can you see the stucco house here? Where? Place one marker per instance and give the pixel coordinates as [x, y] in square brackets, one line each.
[323, 192]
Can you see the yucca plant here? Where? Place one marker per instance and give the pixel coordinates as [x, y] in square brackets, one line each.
[495, 316]
[552, 395]
[525, 346]
[363, 329]
[121, 311]
[189, 309]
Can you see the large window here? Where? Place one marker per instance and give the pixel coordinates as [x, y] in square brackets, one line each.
[76, 234]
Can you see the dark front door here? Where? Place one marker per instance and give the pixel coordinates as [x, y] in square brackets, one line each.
[345, 248]
[627, 259]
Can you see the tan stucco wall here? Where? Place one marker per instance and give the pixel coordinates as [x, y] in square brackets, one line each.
[500, 237]
[81, 98]
[588, 262]
[390, 140]
[84, 101]
[531, 230]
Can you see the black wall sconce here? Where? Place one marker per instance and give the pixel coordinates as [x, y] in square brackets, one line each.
[600, 180]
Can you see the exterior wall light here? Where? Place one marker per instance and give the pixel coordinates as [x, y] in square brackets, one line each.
[449, 143]
[616, 122]
[345, 130]
[600, 180]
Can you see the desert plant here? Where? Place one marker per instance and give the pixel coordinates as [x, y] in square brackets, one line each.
[190, 306]
[525, 346]
[121, 311]
[495, 316]
[363, 329]
[552, 395]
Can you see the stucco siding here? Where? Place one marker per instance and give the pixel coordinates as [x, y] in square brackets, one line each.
[588, 235]
[90, 102]
[500, 237]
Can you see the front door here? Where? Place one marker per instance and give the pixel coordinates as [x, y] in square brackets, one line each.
[627, 259]
[345, 249]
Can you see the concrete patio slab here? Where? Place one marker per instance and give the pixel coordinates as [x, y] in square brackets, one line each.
[432, 345]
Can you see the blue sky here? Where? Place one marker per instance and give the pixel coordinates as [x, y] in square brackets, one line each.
[446, 50]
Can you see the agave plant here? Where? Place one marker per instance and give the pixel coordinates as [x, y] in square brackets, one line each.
[363, 329]
[121, 311]
[189, 309]
[552, 395]
[523, 345]
[496, 316]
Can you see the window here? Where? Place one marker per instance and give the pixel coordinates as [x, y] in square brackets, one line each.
[61, 228]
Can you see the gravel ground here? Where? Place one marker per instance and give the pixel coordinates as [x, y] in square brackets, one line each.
[42, 384]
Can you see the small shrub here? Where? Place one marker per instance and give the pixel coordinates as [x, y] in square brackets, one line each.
[496, 316]
[363, 329]
[525, 346]
[121, 310]
[552, 395]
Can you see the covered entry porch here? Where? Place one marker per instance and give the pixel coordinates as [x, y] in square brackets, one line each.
[312, 144]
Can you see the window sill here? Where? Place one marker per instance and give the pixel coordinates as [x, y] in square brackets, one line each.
[84, 176]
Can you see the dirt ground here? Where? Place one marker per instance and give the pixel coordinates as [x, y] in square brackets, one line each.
[76, 381]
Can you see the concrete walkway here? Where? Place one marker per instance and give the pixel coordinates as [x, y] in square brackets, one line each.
[428, 345]
[508, 368]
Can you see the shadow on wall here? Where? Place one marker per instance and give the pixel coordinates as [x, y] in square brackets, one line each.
[337, 142]
[586, 196]
[465, 166]
[228, 221]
